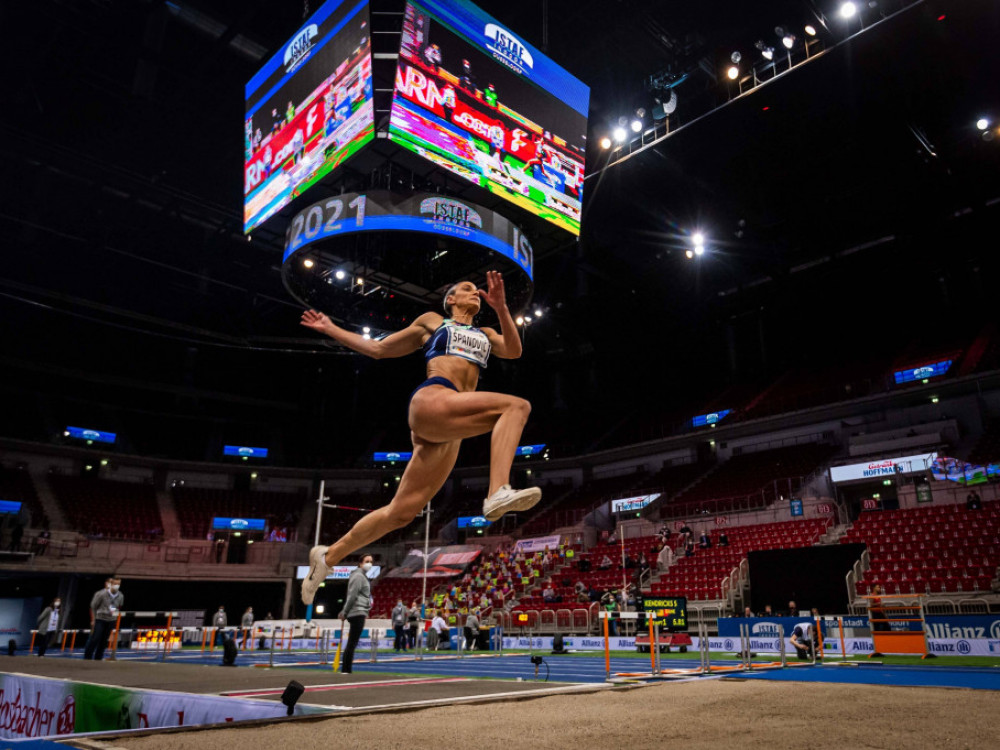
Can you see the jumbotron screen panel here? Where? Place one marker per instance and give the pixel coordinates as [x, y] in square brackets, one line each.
[473, 98]
[308, 110]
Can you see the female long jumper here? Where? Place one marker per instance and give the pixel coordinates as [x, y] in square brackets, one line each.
[444, 410]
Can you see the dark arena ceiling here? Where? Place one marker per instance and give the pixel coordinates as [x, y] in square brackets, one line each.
[850, 205]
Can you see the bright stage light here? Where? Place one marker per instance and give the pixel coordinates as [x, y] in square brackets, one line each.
[736, 57]
[605, 143]
[810, 29]
[698, 238]
[519, 320]
[689, 254]
[733, 72]
[538, 312]
[636, 126]
[340, 275]
[788, 40]
[366, 329]
[619, 134]
[766, 51]
[308, 263]
[699, 250]
[982, 123]
[848, 10]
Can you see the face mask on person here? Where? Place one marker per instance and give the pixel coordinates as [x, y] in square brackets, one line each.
[115, 587]
[366, 566]
[56, 604]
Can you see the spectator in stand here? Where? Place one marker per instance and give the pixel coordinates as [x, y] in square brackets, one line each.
[665, 559]
[793, 609]
[50, 623]
[973, 501]
[399, 613]
[220, 548]
[747, 612]
[629, 562]
[580, 588]
[723, 539]
[42, 542]
[412, 623]
[704, 541]
[875, 609]
[549, 594]
[689, 547]
[104, 608]
[605, 564]
[768, 612]
[686, 531]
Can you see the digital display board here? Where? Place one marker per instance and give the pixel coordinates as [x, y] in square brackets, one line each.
[340, 572]
[639, 502]
[475, 99]
[97, 436]
[391, 457]
[238, 524]
[473, 522]
[795, 507]
[883, 468]
[712, 418]
[10, 506]
[308, 110]
[244, 450]
[529, 450]
[923, 372]
[670, 612]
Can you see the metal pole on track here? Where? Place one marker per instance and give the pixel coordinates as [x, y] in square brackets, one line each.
[319, 510]
[781, 646]
[427, 542]
[271, 656]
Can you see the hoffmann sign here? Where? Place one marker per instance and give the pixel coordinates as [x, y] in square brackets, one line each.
[883, 467]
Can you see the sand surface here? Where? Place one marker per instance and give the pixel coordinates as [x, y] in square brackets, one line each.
[695, 715]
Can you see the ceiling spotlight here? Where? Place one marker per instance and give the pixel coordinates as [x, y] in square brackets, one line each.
[766, 51]
[640, 113]
[360, 281]
[689, 254]
[810, 29]
[733, 72]
[636, 126]
[623, 121]
[538, 312]
[519, 320]
[605, 143]
[308, 263]
[698, 238]
[736, 57]
[982, 123]
[366, 329]
[788, 40]
[848, 10]
[340, 275]
[699, 250]
[619, 134]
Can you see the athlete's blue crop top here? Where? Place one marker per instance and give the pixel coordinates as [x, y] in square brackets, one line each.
[457, 340]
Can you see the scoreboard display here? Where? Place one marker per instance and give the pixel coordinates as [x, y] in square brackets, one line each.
[669, 612]
[473, 98]
[308, 110]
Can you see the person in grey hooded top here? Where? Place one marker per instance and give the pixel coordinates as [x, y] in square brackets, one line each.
[357, 605]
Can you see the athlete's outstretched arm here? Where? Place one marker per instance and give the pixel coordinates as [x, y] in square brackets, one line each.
[397, 344]
[507, 343]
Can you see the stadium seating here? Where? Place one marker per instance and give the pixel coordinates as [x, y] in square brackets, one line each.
[937, 549]
[16, 485]
[700, 577]
[101, 507]
[196, 507]
[756, 479]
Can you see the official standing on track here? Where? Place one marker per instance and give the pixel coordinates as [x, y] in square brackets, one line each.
[357, 605]
[49, 625]
[104, 608]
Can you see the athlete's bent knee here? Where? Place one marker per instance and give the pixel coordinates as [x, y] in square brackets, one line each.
[521, 406]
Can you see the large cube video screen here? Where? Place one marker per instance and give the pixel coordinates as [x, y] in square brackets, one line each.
[308, 109]
[473, 98]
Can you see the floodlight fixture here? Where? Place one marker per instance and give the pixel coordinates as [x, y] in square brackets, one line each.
[848, 10]
[605, 143]
[810, 29]
[982, 123]
[636, 126]
[733, 72]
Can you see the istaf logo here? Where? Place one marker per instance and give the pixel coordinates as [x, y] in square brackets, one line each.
[508, 48]
[451, 212]
[298, 49]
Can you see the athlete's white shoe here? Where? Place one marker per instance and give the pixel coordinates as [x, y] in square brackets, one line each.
[505, 500]
[318, 571]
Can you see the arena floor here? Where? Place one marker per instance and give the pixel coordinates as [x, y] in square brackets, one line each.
[445, 701]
